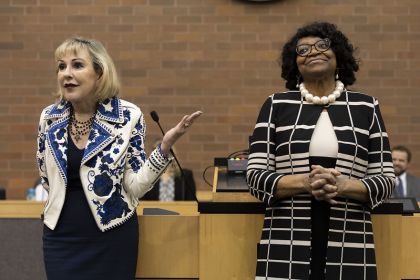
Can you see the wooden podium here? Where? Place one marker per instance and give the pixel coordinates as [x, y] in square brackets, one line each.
[215, 239]
[218, 240]
[169, 244]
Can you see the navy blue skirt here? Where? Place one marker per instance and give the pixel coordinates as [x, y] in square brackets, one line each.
[77, 249]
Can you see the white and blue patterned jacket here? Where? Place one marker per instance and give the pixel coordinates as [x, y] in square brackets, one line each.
[114, 171]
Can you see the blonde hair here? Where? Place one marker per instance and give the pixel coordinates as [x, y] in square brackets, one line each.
[108, 84]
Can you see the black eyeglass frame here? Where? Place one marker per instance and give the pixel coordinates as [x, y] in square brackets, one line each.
[314, 45]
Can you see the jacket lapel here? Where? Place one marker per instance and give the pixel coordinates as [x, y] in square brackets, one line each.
[57, 136]
[339, 120]
[108, 114]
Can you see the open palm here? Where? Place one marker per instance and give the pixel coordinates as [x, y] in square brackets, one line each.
[173, 134]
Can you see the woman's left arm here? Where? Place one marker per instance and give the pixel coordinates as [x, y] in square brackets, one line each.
[352, 188]
[140, 173]
[380, 177]
[40, 154]
[378, 184]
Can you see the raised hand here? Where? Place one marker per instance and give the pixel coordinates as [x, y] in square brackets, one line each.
[173, 134]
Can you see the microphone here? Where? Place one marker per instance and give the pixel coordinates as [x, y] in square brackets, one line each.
[155, 118]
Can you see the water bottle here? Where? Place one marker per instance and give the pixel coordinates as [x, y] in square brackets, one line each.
[30, 194]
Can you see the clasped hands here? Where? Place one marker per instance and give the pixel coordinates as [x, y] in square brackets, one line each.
[325, 184]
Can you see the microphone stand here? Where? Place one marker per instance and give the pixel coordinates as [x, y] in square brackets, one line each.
[177, 162]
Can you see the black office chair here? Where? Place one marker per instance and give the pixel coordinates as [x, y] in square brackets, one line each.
[2, 194]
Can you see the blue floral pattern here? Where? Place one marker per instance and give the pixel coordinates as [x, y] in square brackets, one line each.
[99, 138]
[103, 184]
[115, 146]
[114, 207]
[136, 153]
[57, 141]
[111, 110]
[59, 109]
[41, 149]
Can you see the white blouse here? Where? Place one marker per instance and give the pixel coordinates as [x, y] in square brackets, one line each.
[324, 142]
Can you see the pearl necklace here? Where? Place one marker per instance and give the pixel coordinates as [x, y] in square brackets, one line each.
[324, 100]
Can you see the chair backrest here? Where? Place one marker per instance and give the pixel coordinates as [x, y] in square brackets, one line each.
[2, 194]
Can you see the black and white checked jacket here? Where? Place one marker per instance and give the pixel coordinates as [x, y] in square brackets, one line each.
[280, 146]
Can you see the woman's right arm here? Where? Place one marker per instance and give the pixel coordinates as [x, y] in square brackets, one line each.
[40, 154]
[290, 185]
[263, 181]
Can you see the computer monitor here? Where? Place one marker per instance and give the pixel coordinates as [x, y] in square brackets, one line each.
[410, 205]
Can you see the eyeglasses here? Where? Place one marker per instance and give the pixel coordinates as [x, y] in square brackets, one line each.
[321, 46]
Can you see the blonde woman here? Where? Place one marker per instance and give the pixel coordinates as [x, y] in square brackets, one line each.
[92, 163]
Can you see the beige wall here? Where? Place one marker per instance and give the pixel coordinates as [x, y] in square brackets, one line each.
[219, 56]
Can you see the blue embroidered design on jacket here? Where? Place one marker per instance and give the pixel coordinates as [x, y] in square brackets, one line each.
[135, 163]
[57, 140]
[59, 109]
[114, 207]
[107, 159]
[41, 149]
[41, 143]
[137, 155]
[140, 128]
[91, 163]
[102, 185]
[99, 137]
[110, 110]
[112, 149]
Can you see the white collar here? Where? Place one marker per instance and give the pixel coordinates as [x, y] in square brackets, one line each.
[403, 177]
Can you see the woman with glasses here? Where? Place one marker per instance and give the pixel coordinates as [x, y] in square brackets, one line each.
[320, 160]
